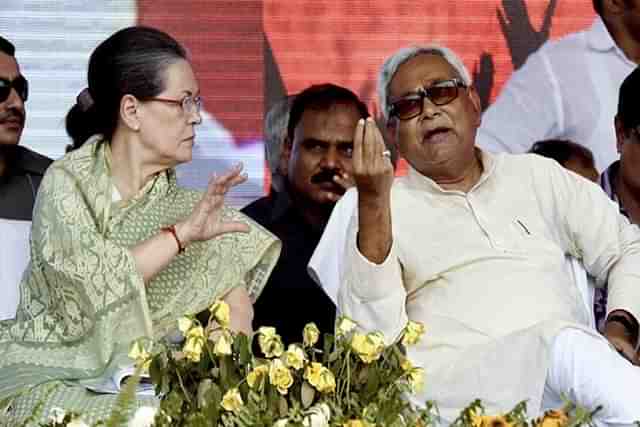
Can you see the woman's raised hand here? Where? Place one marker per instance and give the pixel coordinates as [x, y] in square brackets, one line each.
[205, 221]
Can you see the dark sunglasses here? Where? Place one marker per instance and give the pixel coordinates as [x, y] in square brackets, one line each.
[441, 93]
[20, 84]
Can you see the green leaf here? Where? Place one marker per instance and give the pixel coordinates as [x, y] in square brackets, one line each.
[243, 348]
[203, 388]
[283, 406]
[373, 384]
[328, 345]
[307, 394]
[225, 372]
[213, 397]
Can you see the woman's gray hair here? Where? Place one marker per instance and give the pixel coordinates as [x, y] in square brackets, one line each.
[391, 65]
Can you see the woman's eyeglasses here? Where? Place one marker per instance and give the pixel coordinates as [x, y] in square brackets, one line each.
[20, 84]
[189, 104]
[441, 93]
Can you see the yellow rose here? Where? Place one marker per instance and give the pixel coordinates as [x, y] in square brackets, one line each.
[406, 365]
[280, 376]
[320, 377]
[294, 357]
[267, 331]
[221, 312]
[489, 421]
[184, 324]
[193, 348]
[270, 342]
[256, 377]
[140, 354]
[223, 345]
[310, 334]
[195, 332]
[232, 400]
[356, 423]
[412, 333]
[368, 347]
[416, 379]
[553, 418]
[345, 325]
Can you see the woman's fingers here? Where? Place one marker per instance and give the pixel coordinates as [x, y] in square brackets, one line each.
[232, 227]
[206, 217]
[221, 184]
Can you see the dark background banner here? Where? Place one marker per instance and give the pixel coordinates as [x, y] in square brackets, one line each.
[247, 53]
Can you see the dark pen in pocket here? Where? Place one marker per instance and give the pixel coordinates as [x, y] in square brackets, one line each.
[526, 230]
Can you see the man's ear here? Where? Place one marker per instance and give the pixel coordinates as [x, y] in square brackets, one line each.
[129, 112]
[391, 132]
[285, 155]
[621, 134]
[477, 105]
[614, 7]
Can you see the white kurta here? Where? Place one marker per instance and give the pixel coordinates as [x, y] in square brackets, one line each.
[567, 89]
[14, 258]
[486, 273]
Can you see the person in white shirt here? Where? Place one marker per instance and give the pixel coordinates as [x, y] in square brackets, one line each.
[568, 89]
[474, 246]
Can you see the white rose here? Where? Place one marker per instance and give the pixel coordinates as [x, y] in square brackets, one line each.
[143, 417]
[56, 415]
[77, 422]
[318, 416]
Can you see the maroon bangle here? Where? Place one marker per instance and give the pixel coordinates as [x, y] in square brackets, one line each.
[172, 230]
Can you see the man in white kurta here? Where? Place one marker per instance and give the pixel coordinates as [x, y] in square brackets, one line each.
[481, 260]
[568, 89]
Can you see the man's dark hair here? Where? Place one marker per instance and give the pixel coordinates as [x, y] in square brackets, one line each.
[628, 112]
[7, 47]
[597, 6]
[561, 150]
[321, 98]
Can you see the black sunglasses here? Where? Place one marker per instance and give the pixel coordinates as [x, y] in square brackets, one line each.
[20, 84]
[440, 93]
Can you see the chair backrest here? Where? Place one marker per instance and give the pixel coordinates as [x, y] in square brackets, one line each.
[14, 258]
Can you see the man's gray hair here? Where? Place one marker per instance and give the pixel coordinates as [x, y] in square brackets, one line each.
[275, 131]
[391, 65]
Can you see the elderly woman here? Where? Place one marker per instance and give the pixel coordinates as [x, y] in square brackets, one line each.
[118, 250]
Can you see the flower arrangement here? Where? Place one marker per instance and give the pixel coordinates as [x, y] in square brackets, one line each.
[214, 379]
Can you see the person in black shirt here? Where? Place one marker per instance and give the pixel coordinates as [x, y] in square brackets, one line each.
[315, 163]
[21, 169]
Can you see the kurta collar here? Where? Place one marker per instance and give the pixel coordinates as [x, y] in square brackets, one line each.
[608, 184]
[419, 181]
[598, 36]
[599, 39]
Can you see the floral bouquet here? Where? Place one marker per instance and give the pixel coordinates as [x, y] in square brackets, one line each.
[214, 379]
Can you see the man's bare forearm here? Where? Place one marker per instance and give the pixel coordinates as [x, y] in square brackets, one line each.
[374, 235]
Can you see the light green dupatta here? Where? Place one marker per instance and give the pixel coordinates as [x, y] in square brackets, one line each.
[82, 298]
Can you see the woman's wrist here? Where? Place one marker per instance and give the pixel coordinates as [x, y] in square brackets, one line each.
[181, 232]
[171, 231]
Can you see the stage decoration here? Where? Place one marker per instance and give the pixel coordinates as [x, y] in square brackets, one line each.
[216, 377]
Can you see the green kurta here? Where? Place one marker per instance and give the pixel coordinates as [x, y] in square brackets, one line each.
[83, 300]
